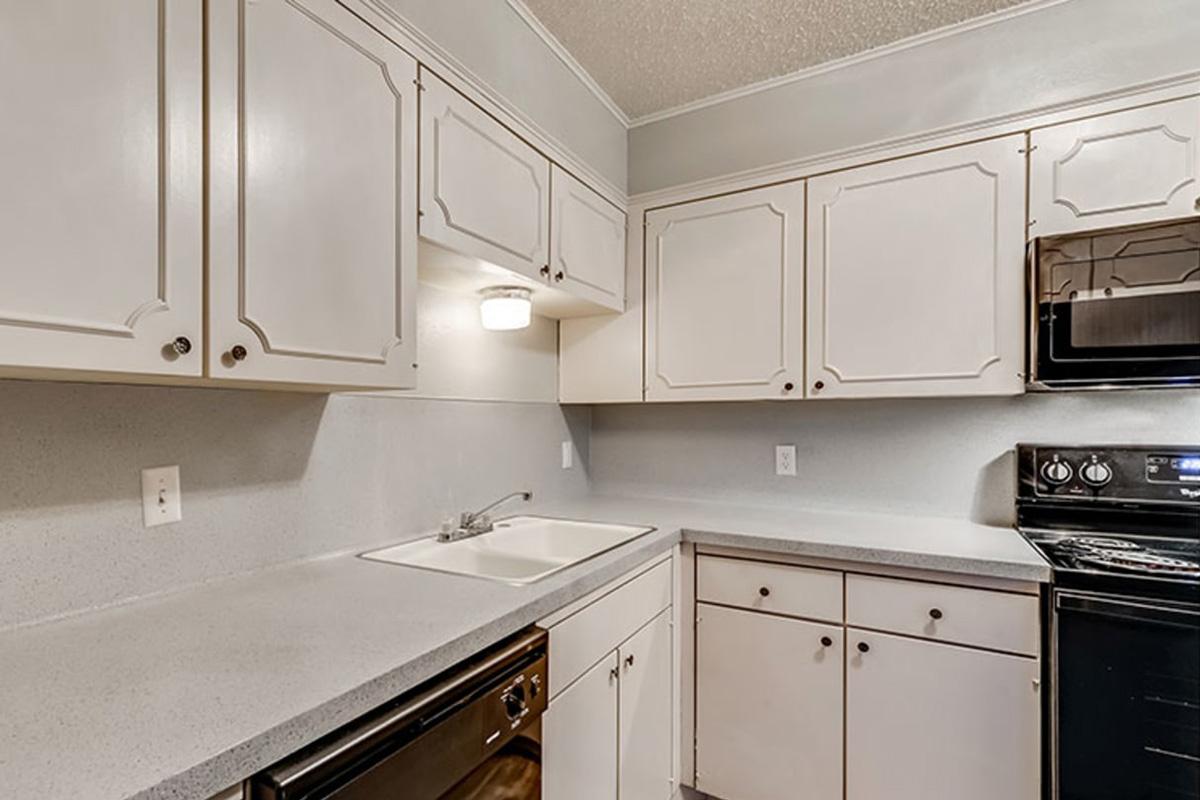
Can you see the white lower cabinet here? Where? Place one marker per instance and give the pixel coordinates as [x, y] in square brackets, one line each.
[929, 720]
[579, 737]
[769, 706]
[644, 709]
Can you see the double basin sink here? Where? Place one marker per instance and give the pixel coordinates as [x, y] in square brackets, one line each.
[518, 550]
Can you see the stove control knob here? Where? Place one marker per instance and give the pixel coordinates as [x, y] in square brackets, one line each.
[1096, 474]
[514, 702]
[1056, 473]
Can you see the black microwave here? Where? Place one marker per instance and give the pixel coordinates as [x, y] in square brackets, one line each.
[1116, 308]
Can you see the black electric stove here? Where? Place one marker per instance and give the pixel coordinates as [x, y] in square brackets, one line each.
[1121, 528]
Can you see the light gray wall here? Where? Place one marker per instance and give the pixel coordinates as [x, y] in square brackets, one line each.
[267, 477]
[935, 457]
[1061, 53]
[495, 43]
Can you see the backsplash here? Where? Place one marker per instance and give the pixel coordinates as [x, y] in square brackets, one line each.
[935, 457]
[267, 477]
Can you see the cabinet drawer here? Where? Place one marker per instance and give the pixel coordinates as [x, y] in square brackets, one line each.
[976, 617]
[582, 639]
[776, 588]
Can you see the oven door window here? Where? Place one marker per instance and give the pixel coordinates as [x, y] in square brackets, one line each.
[1128, 701]
[1120, 306]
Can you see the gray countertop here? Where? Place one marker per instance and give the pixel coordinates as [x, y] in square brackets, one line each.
[181, 695]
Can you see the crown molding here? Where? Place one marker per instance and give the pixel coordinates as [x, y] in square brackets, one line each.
[383, 16]
[568, 60]
[919, 40]
[1161, 90]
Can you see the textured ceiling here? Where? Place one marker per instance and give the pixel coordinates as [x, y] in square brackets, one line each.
[651, 55]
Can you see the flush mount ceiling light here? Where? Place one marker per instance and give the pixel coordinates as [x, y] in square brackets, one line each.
[505, 308]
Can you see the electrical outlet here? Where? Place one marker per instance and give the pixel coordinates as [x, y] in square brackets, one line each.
[568, 455]
[785, 459]
[161, 501]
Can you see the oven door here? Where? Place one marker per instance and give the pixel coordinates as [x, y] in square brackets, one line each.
[1126, 699]
[1117, 308]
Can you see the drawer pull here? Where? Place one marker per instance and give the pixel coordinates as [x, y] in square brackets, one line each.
[863, 647]
[764, 591]
[826, 641]
[935, 613]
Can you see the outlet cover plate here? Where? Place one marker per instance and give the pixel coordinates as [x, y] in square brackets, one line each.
[785, 460]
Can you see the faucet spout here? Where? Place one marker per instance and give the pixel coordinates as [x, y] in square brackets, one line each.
[473, 523]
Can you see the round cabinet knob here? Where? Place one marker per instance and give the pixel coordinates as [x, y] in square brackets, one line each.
[819, 385]
[935, 613]
[629, 661]
[514, 702]
[1196, 205]
[787, 387]
[182, 345]
[863, 647]
[1056, 473]
[545, 270]
[826, 641]
[764, 591]
[238, 353]
[558, 276]
[1096, 474]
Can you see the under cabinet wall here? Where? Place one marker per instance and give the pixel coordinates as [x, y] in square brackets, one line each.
[100, 241]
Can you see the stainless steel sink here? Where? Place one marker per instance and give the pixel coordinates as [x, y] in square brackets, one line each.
[519, 550]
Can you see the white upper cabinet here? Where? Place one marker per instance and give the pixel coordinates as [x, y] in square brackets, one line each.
[1130, 167]
[100, 202]
[725, 297]
[484, 192]
[587, 242]
[313, 159]
[916, 275]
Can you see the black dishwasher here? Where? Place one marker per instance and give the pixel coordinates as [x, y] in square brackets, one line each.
[472, 733]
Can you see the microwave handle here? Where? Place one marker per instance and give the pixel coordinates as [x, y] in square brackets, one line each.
[1126, 609]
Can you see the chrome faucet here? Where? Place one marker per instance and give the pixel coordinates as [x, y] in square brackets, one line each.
[473, 523]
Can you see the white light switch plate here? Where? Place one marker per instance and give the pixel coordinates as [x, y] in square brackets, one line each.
[785, 459]
[161, 501]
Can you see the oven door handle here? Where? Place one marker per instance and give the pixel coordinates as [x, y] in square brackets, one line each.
[1127, 609]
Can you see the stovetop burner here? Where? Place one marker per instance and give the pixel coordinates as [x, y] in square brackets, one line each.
[1100, 543]
[1141, 562]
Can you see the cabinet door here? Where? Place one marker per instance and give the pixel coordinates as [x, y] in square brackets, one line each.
[725, 297]
[579, 737]
[587, 242]
[644, 761]
[768, 706]
[930, 720]
[916, 275]
[484, 192]
[100, 202]
[312, 159]
[1136, 166]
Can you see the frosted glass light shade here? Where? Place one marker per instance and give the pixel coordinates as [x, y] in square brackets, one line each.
[505, 308]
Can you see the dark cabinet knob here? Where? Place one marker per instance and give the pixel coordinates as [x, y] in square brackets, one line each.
[629, 661]
[787, 387]
[819, 385]
[182, 345]
[863, 647]
[558, 276]
[935, 613]
[826, 641]
[545, 270]
[764, 591]
[238, 353]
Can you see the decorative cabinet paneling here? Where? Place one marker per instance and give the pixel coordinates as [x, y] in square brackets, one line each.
[1134, 166]
[100, 203]
[644, 758]
[312, 158]
[579, 737]
[928, 720]
[587, 242]
[484, 192]
[916, 275]
[725, 297]
[768, 706]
